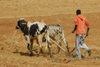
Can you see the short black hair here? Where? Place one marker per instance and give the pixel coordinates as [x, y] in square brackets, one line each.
[78, 12]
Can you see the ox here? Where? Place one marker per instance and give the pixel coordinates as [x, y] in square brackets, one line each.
[32, 30]
[56, 33]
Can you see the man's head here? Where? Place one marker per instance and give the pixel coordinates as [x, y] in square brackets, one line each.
[78, 12]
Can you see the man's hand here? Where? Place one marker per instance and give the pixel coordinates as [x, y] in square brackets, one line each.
[87, 32]
[73, 31]
[86, 35]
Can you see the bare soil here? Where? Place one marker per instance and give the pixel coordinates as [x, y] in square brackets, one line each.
[13, 47]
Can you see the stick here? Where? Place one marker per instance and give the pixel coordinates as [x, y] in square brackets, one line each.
[58, 45]
[72, 50]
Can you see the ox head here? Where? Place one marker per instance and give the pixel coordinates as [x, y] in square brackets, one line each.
[21, 23]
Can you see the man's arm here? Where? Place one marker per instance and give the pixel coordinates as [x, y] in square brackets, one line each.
[88, 27]
[87, 31]
[74, 29]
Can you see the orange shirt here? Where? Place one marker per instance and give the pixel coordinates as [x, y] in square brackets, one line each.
[80, 21]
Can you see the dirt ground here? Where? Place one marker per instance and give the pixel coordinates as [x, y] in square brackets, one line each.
[13, 50]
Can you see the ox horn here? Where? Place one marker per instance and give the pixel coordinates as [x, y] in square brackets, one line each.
[24, 23]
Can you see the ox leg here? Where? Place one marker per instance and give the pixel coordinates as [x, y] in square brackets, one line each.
[28, 45]
[48, 44]
[28, 42]
[59, 43]
[65, 42]
[31, 47]
[40, 42]
[49, 48]
[47, 39]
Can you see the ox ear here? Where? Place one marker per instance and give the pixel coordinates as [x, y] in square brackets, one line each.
[24, 23]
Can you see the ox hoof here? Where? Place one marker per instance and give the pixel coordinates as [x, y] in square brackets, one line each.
[51, 55]
[41, 51]
[31, 54]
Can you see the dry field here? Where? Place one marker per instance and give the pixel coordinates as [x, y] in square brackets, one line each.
[13, 51]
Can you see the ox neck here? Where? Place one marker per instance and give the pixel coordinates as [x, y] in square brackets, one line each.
[24, 29]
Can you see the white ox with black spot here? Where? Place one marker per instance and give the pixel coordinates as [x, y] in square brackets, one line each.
[56, 33]
[32, 30]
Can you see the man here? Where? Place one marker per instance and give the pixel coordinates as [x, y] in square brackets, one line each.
[80, 23]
